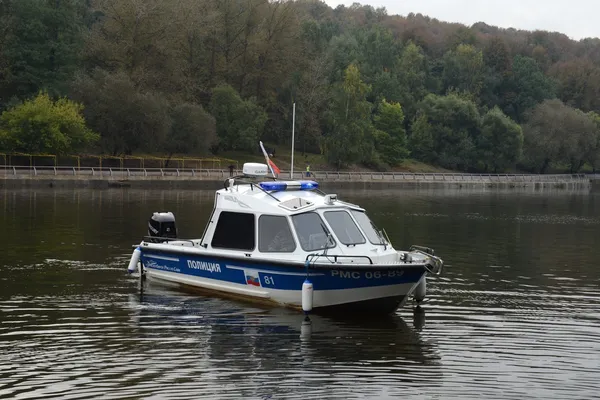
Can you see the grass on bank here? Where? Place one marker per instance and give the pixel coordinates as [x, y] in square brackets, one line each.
[282, 158]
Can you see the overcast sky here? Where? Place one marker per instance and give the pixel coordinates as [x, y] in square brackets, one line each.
[576, 18]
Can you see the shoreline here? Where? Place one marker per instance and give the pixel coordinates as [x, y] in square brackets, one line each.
[188, 183]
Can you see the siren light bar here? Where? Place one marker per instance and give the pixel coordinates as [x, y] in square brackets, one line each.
[294, 185]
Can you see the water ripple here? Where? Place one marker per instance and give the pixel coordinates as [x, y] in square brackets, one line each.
[515, 314]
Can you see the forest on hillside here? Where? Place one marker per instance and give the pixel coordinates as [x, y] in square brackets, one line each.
[208, 76]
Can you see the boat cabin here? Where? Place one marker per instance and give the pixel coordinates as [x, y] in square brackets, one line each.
[287, 219]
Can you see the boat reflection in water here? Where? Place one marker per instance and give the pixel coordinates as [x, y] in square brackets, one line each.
[246, 339]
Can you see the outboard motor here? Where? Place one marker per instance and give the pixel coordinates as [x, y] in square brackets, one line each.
[162, 226]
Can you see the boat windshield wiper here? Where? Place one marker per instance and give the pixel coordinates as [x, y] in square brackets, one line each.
[382, 240]
[329, 239]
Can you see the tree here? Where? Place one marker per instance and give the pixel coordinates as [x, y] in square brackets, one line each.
[390, 136]
[463, 69]
[344, 50]
[192, 130]
[312, 95]
[349, 121]
[496, 55]
[528, 87]
[133, 37]
[501, 141]
[40, 47]
[411, 69]
[578, 83]
[42, 125]
[579, 138]
[127, 118]
[498, 62]
[317, 34]
[462, 35]
[556, 132]
[378, 50]
[277, 50]
[421, 142]
[240, 123]
[134, 62]
[592, 154]
[453, 124]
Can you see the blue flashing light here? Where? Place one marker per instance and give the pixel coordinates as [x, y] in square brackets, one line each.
[296, 185]
[308, 185]
[277, 186]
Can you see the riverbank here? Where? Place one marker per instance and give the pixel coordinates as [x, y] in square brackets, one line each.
[328, 183]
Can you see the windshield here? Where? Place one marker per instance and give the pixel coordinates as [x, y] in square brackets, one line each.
[344, 227]
[368, 227]
[311, 231]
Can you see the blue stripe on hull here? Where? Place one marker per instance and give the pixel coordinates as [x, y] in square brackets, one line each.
[275, 276]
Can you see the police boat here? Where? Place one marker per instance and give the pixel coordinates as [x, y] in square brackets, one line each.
[287, 243]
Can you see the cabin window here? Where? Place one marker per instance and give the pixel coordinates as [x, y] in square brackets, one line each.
[344, 227]
[234, 231]
[275, 235]
[368, 227]
[312, 232]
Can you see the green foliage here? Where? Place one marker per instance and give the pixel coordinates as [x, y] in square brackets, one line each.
[40, 48]
[462, 36]
[592, 154]
[146, 70]
[127, 118]
[501, 141]
[389, 119]
[344, 50]
[463, 69]
[193, 130]
[528, 87]
[578, 83]
[378, 50]
[496, 55]
[348, 121]
[390, 136]
[312, 94]
[42, 125]
[411, 69]
[240, 123]
[421, 142]
[545, 141]
[453, 123]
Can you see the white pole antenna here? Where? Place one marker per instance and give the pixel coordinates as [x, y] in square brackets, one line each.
[293, 127]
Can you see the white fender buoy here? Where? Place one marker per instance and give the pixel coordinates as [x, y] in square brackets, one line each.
[307, 296]
[135, 259]
[421, 289]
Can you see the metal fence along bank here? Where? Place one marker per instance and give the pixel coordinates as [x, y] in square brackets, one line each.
[133, 174]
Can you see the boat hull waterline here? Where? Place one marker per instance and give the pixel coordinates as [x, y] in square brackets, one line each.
[335, 286]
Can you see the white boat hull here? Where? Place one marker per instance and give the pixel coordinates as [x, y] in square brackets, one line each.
[377, 291]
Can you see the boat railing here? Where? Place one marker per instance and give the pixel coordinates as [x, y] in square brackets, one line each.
[311, 258]
[242, 179]
[423, 249]
[152, 239]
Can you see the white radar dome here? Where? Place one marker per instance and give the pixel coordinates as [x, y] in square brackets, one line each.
[255, 169]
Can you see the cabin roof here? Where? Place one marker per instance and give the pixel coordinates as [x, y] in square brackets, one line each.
[250, 198]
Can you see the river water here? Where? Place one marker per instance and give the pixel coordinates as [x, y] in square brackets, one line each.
[516, 313]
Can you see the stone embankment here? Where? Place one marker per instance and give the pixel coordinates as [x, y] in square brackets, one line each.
[38, 177]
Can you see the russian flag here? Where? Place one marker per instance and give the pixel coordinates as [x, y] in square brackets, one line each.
[251, 280]
[274, 169]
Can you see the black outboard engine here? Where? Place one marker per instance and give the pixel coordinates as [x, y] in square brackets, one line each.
[162, 226]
